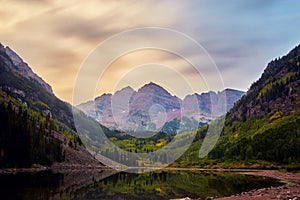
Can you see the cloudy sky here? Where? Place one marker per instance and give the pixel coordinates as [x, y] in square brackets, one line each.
[57, 38]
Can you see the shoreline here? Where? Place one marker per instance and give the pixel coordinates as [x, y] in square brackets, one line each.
[102, 167]
[54, 168]
[290, 189]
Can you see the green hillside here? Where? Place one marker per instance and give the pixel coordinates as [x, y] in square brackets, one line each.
[27, 137]
[263, 128]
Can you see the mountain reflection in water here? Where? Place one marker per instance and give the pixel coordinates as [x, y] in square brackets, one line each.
[109, 184]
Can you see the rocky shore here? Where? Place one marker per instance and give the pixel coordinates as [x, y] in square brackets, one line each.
[290, 191]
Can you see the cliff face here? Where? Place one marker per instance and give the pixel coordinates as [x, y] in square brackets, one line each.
[152, 107]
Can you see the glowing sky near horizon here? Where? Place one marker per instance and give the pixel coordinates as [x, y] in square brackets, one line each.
[55, 37]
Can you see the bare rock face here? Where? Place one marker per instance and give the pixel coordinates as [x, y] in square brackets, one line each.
[20, 67]
[152, 106]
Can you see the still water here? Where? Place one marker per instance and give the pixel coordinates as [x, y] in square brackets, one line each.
[113, 185]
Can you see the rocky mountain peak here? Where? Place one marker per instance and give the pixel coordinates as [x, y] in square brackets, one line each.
[103, 96]
[128, 109]
[128, 88]
[13, 56]
[18, 66]
[152, 87]
[127, 91]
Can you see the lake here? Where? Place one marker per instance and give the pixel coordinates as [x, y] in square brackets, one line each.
[108, 184]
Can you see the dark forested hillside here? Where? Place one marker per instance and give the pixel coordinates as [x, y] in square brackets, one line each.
[18, 80]
[26, 137]
[29, 138]
[36, 127]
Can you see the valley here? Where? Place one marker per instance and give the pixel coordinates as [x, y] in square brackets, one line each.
[261, 131]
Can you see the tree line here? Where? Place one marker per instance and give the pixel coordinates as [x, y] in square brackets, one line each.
[26, 138]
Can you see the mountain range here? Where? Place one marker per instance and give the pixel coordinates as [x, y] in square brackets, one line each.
[152, 108]
[262, 125]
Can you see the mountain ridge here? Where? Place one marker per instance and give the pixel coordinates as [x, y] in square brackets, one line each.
[23, 84]
[30, 112]
[153, 106]
[262, 130]
[264, 124]
[276, 89]
[22, 68]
